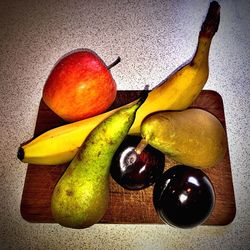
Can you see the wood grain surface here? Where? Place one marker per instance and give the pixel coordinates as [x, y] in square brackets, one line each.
[125, 206]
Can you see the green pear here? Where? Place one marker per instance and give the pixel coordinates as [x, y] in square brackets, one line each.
[192, 137]
[81, 196]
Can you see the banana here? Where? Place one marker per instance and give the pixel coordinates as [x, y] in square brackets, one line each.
[177, 92]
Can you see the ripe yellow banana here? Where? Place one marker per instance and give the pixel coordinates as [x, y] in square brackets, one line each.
[177, 92]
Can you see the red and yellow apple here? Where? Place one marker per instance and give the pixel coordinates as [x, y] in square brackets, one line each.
[80, 86]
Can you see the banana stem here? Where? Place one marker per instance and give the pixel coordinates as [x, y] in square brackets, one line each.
[208, 29]
[114, 63]
[212, 20]
[144, 94]
[140, 147]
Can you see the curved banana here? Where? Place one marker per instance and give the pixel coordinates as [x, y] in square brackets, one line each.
[177, 92]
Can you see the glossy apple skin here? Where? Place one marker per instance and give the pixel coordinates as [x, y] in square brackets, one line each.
[184, 197]
[79, 86]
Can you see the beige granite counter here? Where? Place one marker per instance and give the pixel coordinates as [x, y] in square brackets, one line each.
[153, 38]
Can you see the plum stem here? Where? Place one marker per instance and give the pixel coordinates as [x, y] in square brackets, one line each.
[114, 63]
[140, 147]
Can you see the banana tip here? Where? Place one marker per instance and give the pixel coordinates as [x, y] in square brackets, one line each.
[144, 94]
[20, 154]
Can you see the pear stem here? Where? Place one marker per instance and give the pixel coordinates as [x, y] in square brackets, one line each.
[140, 147]
[114, 63]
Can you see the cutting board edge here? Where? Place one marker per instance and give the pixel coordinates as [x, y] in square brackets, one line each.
[26, 217]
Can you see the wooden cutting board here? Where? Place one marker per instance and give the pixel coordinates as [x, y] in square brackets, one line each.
[125, 206]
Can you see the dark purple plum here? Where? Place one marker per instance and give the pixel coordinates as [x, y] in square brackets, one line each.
[135, 171]
[184, 196]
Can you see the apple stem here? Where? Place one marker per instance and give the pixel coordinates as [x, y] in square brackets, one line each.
[140, 147]
[114, 63]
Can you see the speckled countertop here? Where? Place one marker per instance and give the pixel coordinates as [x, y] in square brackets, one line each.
[152, 38]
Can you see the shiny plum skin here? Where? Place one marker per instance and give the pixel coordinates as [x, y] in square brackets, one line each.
[184, 197]
[136, 171]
